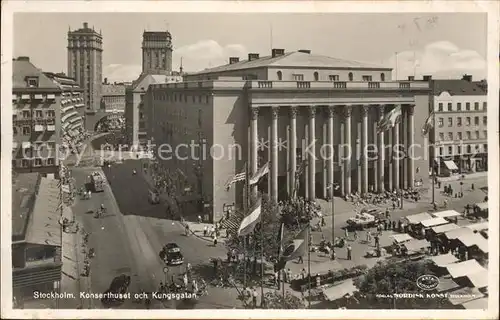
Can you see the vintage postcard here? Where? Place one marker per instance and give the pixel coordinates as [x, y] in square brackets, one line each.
[220, 159]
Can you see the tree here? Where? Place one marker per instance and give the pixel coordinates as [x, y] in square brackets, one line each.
[387, 278]
[276, 300]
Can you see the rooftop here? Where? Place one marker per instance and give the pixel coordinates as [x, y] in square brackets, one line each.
[146, 79]
[85, 30]
[23, 68]
[460, 87]
[113, 90]
[61, 78]
[23, 200]
[294, 59]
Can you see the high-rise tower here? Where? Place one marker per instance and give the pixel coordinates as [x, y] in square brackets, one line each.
[85, 63]
[156, 52]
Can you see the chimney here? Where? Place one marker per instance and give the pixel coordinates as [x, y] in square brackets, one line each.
[467, 77]
[427, 78]
[277, 52]
[85, 25]
[305, 51]
[253, 56]
[234, 60]
[411, 78]
[23, 58]
[105, 80]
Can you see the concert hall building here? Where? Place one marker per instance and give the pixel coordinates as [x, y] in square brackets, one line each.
[273, 106]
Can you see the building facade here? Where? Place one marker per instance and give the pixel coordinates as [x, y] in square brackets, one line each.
[289, 109]
[36, 117]
[85, 64]
[461, 126]
[157, 52]
[113, 97]
[72, 108]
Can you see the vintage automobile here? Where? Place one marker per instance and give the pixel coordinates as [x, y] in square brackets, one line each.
[119, 285]
[171, 254]
[361, 220]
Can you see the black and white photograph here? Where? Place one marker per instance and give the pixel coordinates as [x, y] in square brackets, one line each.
[323, 161]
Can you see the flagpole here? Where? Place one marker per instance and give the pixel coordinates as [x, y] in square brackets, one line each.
[261, 264]
[433, 154]
[309, 265]
[246, 206]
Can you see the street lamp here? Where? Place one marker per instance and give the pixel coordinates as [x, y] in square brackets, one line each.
[333, 187]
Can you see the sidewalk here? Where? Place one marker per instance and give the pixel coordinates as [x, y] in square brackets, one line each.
[475, 175]
[72, 258]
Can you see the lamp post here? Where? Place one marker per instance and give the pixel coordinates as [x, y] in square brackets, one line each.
[334, 187]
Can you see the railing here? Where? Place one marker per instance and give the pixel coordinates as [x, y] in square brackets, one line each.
[265, 84]
[303, 84]
[374, 85]
[340, 85]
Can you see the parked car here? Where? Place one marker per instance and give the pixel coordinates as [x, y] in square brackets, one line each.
[171, 254]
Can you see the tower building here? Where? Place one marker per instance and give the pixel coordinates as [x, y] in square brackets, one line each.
[85, 63]
[156, 52]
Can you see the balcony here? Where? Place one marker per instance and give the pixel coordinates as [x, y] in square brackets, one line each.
[303, 85]
[348, 85]
[51, 128]
[39, 128]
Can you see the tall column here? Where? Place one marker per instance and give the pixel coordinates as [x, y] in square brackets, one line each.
[411, 141]
[312, 153]
[293, 150]
[274, 153]
[347, 143]
[331, 112]
[381, 153]
[364, 146]
[324, 159]
[254, 143]
[341, 151]
[395, 168]
[403, 127]
[390, 156]
[305, 161]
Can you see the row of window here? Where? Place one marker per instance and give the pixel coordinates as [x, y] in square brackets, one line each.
[24, 163]
[26, 130]
[26, 114]
[459, 121]
[468, 135]
[331, 77]
[468, 150]
[179, 97]
[449, 106]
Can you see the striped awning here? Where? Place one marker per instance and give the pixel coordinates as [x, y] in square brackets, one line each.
[51, 96]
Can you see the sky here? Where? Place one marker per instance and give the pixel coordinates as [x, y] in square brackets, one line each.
[444, 45]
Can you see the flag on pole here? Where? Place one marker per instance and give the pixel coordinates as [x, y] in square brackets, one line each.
[259, 174]
[389, 120]
[428, 125]
[249, 222]
[280, 240]
[237, 177]
[299, 246]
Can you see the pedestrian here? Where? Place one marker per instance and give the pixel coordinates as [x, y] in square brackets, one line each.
[376, 240]
[205, 230]
[161, 287]
[277, 279]
[194, 284]
[254, 298]
[368, 237]
[355, 235]
[215, 240]
[346, 233]
[393, 205]
[333, 255]
[399, 226]
[385, 225]
[229, 257]
[289, 274]
[186, 229]
[300, 260]
[303, 273]
[394, 225]
[199, 219]
[349, 252]
[185, 280]
[323, 223]
[90, 194]
[387, 214]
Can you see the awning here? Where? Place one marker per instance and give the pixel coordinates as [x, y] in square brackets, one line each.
[445, 228]
[51, 96]
[444, 259]
[25, 96]
[38, 96]
[482, 206]
[433, 222]
[15, 97]
[479, 226]
[479, 280]
[464, 268]
[417, 218]
[463, 295]
[14, 145]
[446, 214]
[450, 165]
[416, 245]
[339, 290]
[474, 239]
[454, 234]
[403, 237]
[476, 304]
[26, 144]
[446, 284]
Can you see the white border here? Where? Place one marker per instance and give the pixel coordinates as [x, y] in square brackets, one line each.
[9, 7]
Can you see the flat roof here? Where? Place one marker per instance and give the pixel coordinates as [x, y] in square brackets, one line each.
[444, 259]
[433, 222]
[23, 199]
[464, 268]
[446, 214]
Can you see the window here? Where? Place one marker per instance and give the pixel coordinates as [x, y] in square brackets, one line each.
[450, 136]
[485, 134]
[382, 77]
[298, 77]
[351, 77]
[477, 135]
[476, 105]
[459, 149]
[38, 114]
[450, 122]
[26, 114]
[485, 120]
[450, 150]
[440, 151]
[32, 82]
[468, 149]
[459, 135]
[476, 121]
[440, 107]
[14, 130]
[485, 147]
[468, 135]
[440, 122]
[26, 130]
[316, 76]
[367, 78]
[467, 121]
[51, 113]
[485, 106]
[333, 77]
[450, 106]
[467, 106]
[199, 99]
[280, 75]
[459, 121]
[25, 163]
[441, 136]
[459, 106]
[38, 162]
[50, 161]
